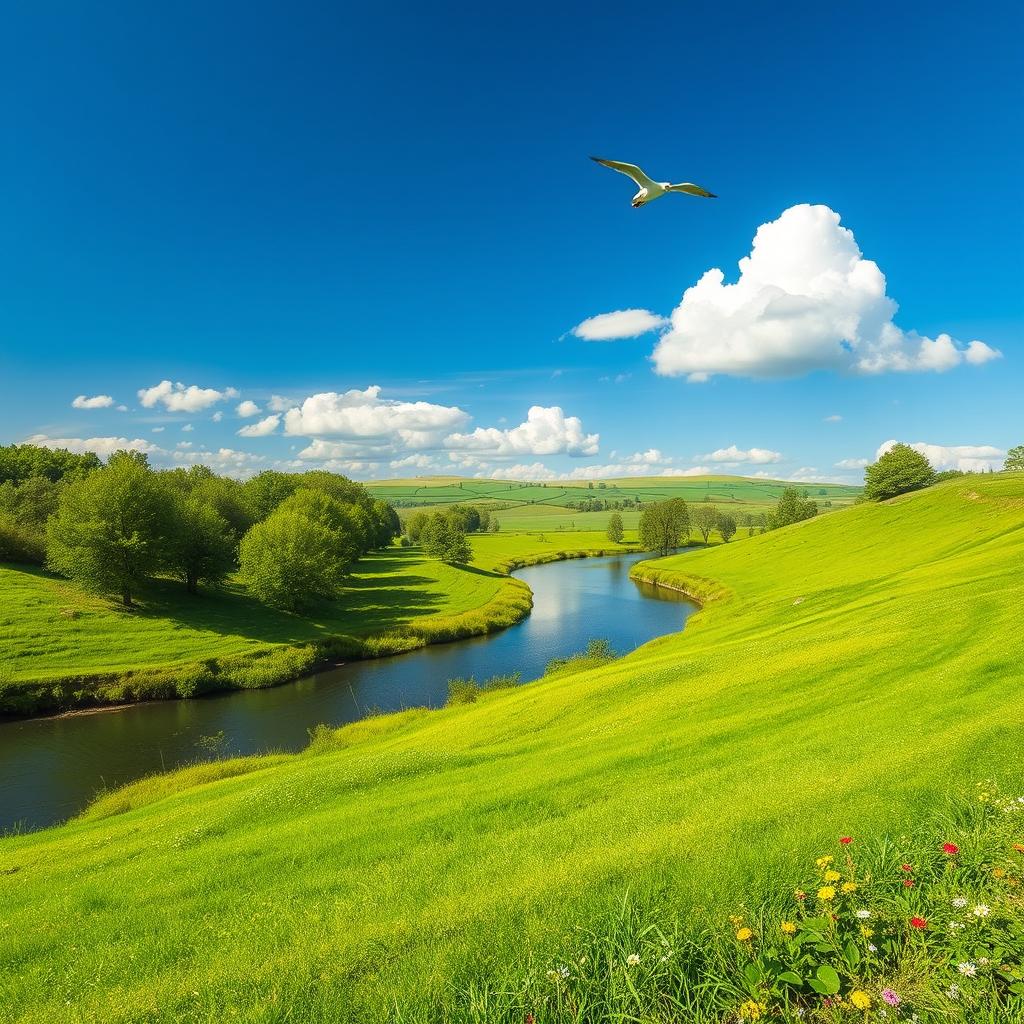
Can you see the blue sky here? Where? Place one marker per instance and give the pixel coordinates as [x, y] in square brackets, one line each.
[257, 200]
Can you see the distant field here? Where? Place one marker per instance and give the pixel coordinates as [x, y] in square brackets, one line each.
[526, 506]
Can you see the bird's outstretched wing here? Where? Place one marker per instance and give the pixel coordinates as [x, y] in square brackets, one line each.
[692, 190]
[630, 170]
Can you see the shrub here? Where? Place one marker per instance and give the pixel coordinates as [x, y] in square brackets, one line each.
[19, 544]
[503, 682]
[462, 691]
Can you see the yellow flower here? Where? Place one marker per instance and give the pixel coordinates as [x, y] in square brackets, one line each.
[823, 862]
[788, 928]
[866, 931]
[826, 893]
[998, 873]
[832, 876]
[849, 886]
[751, 1010]
[744, 935]
[861, 1000]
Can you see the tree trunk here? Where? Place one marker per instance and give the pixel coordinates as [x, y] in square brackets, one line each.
[126, 598]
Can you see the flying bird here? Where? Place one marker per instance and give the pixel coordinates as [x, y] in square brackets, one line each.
[650, 190]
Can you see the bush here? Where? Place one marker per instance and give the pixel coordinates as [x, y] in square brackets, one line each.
[899, 470]
[598, 652]
[503, 682]
[18, 544]
[462, 691]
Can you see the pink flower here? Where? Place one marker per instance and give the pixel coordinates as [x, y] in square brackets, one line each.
[890, 997]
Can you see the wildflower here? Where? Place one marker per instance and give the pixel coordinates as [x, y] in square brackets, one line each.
[891, 997]
[861, 1000]
[553, 976]
[953, 992]
[849, 886]
[998, 873]
[823, 862]
[826, 893]
[981, 910]
[632, 960]
[751, 1010]
[906, 867]
[832, 876]
[529, 1019]
[800, 895]
[1019, 847]
[788, 928]
[866, 931]
[846, 840]
[872, 948]
[736, 919]
[956, 926]
[983, 960]
[918, 922]
[967, 969]
[863, 914]
[950, 849]
[908, 882]
[744, 934]
[959, 902]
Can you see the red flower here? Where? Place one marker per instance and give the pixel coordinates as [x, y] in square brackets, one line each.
[846, 840]
[906, 867]
[918, 922]
[529, 1018]
[908, 882]
[950, 848]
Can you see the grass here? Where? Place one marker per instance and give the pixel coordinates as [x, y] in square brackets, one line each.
[65, 648]
[846, 676]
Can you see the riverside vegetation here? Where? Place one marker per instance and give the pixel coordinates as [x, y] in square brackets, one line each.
[618, 841]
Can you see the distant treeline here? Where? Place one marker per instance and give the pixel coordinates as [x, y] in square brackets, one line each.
[110, 528]
[442, 534]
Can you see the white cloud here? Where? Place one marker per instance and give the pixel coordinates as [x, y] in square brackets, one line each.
[278, 403]
[101, 446]
[522, 471]
[547, 431]
[836, 418]
[181, 398]
[159, 430]
[265, 426]
[622, 323]
[692, 471]
[224, 460]
[187, 428]
[414, 462]
[968, 457]
[851, 463]
[806, 299]
[95, 402]
[183, 444]
[247, 408]
[217, 416]
[365, 416]
[732, 454]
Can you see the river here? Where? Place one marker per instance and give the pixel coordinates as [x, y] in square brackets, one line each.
[50, 768]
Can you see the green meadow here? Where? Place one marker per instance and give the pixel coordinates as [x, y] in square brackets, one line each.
[847, 676]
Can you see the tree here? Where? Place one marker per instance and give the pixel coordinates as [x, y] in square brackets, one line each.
[414, 526]
[112, 529]
[792, 507]
[664, 525]
[897, 471]
[348, 524]
[202, 547]
[444, 537]
[1015, 458]
[495, 525]
[615, 531]
[289, 559]
[748, 522]
[705, 518]
[726, 526]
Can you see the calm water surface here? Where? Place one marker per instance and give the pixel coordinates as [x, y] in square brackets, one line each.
[50, 768]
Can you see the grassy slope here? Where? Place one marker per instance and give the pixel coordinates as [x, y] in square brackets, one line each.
[432, 848]
[392, 589]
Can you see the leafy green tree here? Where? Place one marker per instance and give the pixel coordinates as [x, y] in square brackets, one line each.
[897, 471]
[347, 523]
[1015, 458]
[266, 490]
[615, 531]
[202, 546]
[112, 529]
[414, 526]
[495, 525]
[664, 525]
[288, 560]
[18, 462]
[444, 537]
[726, 526]
[792, 507]
[385, 523]
[705, 518]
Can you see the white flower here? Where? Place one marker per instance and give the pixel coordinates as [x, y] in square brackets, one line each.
[967, 969]
[959, 901]
[982, 960]
[863, 914]
[955, 926]
[953, 992]
[632, 960]
[981, 910]
[872, 948]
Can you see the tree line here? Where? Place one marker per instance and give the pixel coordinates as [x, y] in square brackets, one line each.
[442, 533]
[902, 469]
[111, 528]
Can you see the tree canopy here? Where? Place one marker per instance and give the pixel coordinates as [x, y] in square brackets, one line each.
[664, 525]
[897, 471]
[1015, 458]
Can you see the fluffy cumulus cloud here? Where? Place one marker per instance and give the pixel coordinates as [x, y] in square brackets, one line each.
[972, 458]
[806, 299]
[734, 455]
[178, 397]
[101, 446]
[366, 417]
[851, 463]
[278, 403]
[546, 431]
[93, 402]
[623, 323]
[262, 427]
[247, 409]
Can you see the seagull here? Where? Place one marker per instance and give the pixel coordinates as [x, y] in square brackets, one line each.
[650, 190]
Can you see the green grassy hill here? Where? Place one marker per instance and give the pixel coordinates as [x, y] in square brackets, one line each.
[845, 675]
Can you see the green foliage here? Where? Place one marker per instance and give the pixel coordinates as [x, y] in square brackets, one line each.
[443, 536]
[899, 470]
[414, 526]
[20, 544]
[705, 518]
[726, 526]
[112, 528]
[202, 546]
[462, 691]
[615, 532]
[793, 507]
[1015, 458]
[597, 653]
[664, 525]
[20, 462]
